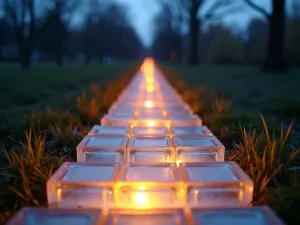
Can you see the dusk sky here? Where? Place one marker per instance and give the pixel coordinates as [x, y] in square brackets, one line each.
[143, 11]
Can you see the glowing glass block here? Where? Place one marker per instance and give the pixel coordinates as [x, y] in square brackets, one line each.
[186, 121]
[182, 112]
[146, 217]
[110, 120]
[118, 110]
[219, 185]
[250, 216]
[199, 149]
[109, 130]
[150, 131]
[150, 123]
[102, 149]
[39, 216]
[151, 155]
[83, 185]
[190, 130]
[150, 142]
[149, 185]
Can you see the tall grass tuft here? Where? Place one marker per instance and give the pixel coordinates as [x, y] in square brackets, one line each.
[29, 169]
[266, 159]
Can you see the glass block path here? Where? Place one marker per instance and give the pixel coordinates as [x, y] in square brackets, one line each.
[150, 162]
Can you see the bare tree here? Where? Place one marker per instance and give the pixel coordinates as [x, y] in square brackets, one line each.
[190, 11]
[58, 17]
[21, 13]
[275, 59]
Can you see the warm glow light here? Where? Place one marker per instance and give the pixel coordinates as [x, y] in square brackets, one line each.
[148, 104]
[150, 123]
[141, 198]
[150, 88]
[178, 162]
[149, 80]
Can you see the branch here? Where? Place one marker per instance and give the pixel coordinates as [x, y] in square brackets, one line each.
[258, 8]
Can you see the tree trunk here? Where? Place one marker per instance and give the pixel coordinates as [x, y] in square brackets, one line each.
[25, 55]
[194, 34]
[275, 60]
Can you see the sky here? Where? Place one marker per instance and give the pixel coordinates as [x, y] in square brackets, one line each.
[142, 13]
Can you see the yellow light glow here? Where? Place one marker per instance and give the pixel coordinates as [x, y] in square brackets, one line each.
[141, 198]
[141, 188]
[148, 104]
[150, 88]
[151, 123]
[149, 80]
[178, 162]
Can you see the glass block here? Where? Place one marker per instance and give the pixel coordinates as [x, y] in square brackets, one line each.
[148, 185]
[151, 155]
[102, 149]
[146, 217]
[150, 142]
[109, 130]
[150, 131]
[83, 185]
[199, 149]
[249, 216]
[150, 122]
[117, 110]
[191, 120]
[110, 120]
[216, 185]
[39, 216]
[190, 130]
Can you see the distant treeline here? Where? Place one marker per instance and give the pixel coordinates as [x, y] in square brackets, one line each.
[219, 44]
[104, 33]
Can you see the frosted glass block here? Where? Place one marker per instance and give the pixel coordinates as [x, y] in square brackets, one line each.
[190, 130]
[152, 113]
[183, 112]
[221, 185]
[150, 142]
[150, 123]
[150, 131]
[150, 185]
[44, 216]
[117, 110]
[109, 130]
[198, 149]
[249, 216]
[102, 149]
[146, 217]
[123, 114]
[191, 120]
[83, 185]
[151, 155]
[110, 120]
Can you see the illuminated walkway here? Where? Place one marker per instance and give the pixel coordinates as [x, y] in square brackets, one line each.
[151, 162]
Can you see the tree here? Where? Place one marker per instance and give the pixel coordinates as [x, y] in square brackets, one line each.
[257, 40]
[21, 14]
[190, 9]
[169, 36]
[224, 46]
[275, 59]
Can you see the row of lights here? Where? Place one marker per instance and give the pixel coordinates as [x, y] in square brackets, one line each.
[206, 192]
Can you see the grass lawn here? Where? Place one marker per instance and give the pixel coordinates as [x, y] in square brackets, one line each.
[276, 96]
[46, 84]
[26, 91]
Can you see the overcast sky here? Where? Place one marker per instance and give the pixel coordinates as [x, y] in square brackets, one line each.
[143, 11]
